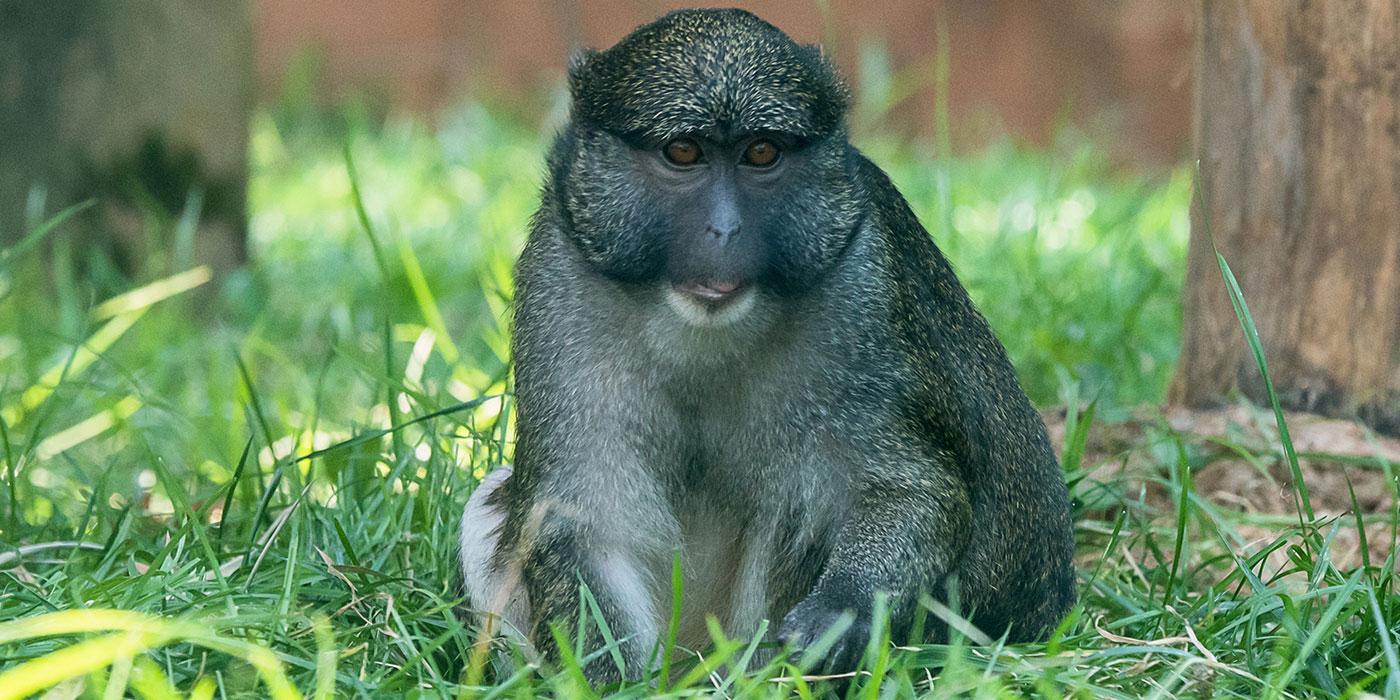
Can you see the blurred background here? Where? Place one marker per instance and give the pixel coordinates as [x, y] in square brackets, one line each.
[202, 202]
[1024, 68]
[275, 224]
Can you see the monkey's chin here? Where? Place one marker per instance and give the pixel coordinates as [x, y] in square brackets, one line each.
[710, 314]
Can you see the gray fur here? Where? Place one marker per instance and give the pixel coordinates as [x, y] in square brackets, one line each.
[854, 428]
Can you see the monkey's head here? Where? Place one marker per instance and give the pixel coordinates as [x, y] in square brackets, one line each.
[707, 158]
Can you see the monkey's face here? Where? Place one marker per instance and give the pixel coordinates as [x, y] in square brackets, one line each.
[707, 160]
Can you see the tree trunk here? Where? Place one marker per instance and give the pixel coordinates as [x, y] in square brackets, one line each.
[136, 103]
[1298, 136]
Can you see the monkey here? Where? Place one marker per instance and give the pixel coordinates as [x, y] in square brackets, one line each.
[734, 343]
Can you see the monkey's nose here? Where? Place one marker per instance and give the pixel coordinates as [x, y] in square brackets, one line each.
[722, 234]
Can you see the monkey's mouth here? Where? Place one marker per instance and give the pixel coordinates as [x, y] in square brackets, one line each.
[712, 293]
[710, 303]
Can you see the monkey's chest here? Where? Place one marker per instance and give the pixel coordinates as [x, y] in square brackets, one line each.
[712, 549]
[744, 559]
[754, 496]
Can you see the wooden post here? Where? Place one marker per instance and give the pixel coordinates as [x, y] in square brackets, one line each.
[1298, 136]
[135, 103]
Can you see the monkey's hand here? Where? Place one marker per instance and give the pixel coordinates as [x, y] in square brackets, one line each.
[901, 539]
[817, 620]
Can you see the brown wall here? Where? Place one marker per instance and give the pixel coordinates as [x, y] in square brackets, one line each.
[1120, 67]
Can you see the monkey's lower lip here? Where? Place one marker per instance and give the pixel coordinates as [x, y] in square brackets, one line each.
[709, 292]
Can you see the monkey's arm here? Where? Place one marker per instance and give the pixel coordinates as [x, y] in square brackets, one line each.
[554, 570]
[592, 517]
[589, 509]
[907, 531]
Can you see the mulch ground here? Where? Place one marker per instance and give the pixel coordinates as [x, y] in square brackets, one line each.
[1238, 466]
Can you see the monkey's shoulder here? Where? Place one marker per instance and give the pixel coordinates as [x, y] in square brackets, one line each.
[926, 306]
[957, 376]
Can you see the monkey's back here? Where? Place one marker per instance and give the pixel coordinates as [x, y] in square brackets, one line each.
[963, 393]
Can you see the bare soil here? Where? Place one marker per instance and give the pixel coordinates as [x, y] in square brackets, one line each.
[1238, 466]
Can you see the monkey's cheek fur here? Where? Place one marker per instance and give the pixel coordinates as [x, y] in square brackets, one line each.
[711, 314]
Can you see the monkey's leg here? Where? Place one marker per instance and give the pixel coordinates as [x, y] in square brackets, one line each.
[903, 538]
[496, 594]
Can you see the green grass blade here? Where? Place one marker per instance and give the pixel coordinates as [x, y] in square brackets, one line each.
[1326, 626]
[427, 302]
[1384, 633]
[35, 237]
[1183, 505]
[674, 624]
[362, 214]
[1251, 335]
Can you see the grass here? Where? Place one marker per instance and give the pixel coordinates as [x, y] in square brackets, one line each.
[250, 486]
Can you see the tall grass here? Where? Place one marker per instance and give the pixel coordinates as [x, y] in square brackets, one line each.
[251, 488]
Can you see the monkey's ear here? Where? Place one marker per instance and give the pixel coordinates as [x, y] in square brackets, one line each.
[579, 61]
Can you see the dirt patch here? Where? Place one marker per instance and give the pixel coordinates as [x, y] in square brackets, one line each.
[1239, 468]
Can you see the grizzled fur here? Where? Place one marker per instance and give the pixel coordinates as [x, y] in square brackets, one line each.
[660, 81]
[857, 430]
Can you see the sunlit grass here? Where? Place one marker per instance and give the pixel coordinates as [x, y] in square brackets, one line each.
[253, 488]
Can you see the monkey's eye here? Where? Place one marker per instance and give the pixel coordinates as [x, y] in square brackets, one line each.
[682, 152]
[761, 153]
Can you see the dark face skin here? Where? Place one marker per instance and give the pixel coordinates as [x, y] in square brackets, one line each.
[714, 215]
[720, 194]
